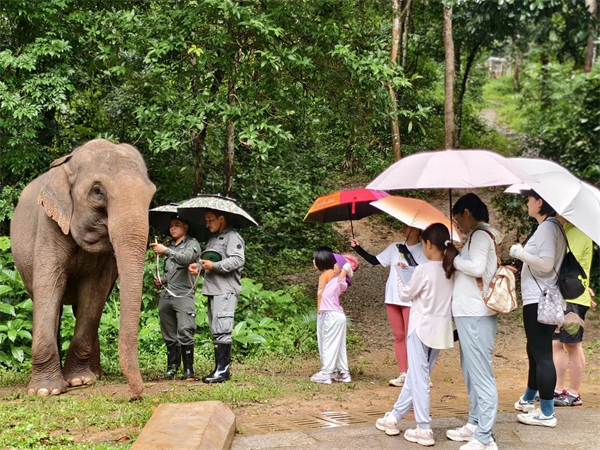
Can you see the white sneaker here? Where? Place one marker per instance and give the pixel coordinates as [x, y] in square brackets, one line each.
[537, 418]
[320, 377]
[524, 406]
[430, 383]
[422, 437]
[389, 424]
[398, 382]
[462, 434]
[474, 444]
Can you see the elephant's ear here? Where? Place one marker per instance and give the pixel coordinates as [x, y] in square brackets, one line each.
[55, 196]
[63, 159]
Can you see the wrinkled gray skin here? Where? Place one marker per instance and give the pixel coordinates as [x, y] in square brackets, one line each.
[74, 229]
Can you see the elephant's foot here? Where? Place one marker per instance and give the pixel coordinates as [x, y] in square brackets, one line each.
[44, 388]
[80, 378]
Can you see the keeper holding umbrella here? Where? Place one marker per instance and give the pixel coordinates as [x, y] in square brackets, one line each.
[222, 263]
[176, 305]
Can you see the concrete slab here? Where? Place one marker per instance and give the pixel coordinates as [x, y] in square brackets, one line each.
[577, 429]
[188, 426]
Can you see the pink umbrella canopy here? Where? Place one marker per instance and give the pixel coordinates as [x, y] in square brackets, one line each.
[451, 169]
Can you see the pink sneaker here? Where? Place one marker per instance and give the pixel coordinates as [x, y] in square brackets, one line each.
[342, 377]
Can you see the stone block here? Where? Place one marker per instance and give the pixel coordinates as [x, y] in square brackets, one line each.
[188, 426]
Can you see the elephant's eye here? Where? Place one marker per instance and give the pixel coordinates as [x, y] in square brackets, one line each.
[97, 193]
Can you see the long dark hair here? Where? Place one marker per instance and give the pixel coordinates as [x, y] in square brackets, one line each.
[324, 259]
[470, 201]
[439, 236]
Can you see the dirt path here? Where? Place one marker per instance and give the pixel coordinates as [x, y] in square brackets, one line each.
[372, 367]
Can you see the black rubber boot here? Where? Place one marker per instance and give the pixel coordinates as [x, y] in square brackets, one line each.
[187, 353]
[173, 361]
[223, 361]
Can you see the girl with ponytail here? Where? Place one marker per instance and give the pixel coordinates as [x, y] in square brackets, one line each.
[429, 331]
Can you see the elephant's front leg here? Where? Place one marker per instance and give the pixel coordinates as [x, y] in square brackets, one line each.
[46, 374]
[81, 362]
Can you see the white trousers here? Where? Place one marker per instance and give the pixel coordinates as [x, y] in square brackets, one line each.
[415, 392]
[331, 335]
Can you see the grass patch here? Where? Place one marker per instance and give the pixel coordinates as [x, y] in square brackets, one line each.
[500, 95]
[97, 417]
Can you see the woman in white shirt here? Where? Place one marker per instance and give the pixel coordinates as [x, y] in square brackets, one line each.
[397, 309]
[542, 257]
[476, 324]
[429, 331]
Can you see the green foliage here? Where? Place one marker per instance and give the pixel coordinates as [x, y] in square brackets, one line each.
[561, 108]
[15, 314]
[500, 94]
[267, 322]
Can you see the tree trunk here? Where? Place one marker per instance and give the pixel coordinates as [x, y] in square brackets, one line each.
[463, 90]
[198, 146]
[229, 149]
[590, 51]
[545, 60]
[449, 80]
[516, 85]
[396, 33]
[198, 138]
[405, 28]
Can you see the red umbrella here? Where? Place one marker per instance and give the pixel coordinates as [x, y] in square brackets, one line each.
[344, 205]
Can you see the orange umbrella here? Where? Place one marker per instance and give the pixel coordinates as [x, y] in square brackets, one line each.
[413, 212]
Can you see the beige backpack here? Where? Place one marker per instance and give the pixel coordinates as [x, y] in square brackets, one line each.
[502, 296]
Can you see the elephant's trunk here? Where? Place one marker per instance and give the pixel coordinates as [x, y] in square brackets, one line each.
[129, 239]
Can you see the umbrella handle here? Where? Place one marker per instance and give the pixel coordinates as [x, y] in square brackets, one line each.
[450, 205]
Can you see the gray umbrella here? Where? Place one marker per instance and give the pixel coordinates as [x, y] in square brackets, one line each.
[194, 209]
[160, 219]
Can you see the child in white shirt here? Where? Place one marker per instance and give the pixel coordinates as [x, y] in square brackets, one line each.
[429, 331]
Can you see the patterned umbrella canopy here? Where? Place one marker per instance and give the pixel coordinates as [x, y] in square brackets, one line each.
[160, 219]
[194, 209]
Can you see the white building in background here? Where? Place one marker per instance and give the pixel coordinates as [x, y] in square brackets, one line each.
[497, 67]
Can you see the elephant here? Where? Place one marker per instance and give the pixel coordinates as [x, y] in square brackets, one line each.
[75, 228]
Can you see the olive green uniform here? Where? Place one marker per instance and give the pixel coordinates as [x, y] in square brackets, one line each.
[222, 285]
[176, 304]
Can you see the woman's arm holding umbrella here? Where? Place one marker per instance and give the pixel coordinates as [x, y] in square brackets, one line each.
[545, 239]
[362, 252]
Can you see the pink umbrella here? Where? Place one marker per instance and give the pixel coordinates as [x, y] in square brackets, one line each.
[451, 169]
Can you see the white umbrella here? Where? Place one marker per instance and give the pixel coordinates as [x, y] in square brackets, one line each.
[575, 200]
